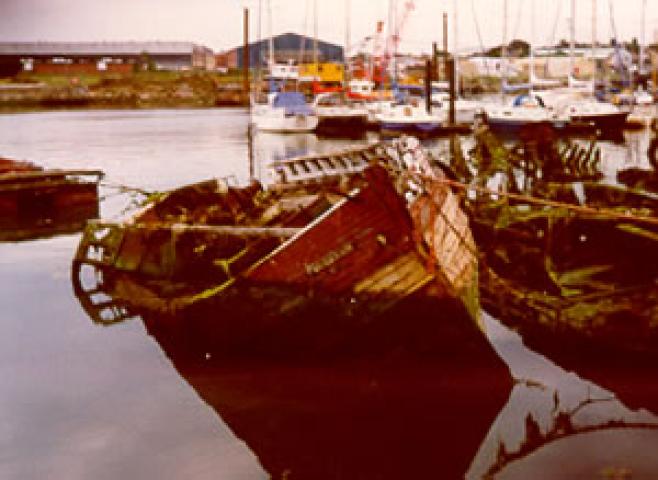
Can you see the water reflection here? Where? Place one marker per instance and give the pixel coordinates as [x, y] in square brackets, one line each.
[553, 419]
[394, 417]
[401, 415]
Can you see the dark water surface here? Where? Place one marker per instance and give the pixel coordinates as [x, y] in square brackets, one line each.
[78, 400]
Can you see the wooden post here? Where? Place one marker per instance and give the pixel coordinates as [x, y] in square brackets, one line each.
[450, 65]
[245, 58]
[428, 86]
[445, 45]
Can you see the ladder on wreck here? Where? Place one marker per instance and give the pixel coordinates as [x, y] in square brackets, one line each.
[318, 168]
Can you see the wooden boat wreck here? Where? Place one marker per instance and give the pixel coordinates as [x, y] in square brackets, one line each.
[570, 263]
[347, 235]
[35, 202]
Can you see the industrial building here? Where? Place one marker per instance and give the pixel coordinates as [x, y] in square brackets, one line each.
[288, 48]
[93, 57]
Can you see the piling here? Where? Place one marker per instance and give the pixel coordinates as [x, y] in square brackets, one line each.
[428, 86]
[445, 44]
[245, 58]
[450, 65]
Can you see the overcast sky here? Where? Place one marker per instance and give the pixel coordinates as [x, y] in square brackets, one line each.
[218, 23]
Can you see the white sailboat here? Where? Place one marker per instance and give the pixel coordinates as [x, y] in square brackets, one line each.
[510, 119]
[577, 103]
[283, 112]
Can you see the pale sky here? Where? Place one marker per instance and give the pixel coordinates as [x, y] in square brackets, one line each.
[218, 23]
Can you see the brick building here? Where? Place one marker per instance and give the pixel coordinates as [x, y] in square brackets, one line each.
[92, 57]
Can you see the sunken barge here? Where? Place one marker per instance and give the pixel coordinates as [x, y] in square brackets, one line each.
[37, 202]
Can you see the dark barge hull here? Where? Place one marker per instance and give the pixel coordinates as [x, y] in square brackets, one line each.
[350, 126]
[610, 123]
[37, 203]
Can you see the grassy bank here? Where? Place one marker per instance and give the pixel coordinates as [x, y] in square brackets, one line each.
[138, 90]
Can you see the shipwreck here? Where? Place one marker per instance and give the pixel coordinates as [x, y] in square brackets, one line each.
[349, 235]
[569, 261]
[37, 202]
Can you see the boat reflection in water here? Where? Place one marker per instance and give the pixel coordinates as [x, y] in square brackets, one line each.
[393, 405]
[404, 412]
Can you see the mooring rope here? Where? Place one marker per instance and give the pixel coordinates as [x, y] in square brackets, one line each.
[125, 188]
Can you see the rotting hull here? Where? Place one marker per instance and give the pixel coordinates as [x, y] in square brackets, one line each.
[37, 203]
[353, 259]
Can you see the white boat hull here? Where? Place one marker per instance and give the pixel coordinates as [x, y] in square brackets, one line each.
[279, 122]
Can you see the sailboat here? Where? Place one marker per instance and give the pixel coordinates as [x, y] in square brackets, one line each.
[577, 103]
[510, 119]
[283, 112]
[335, 111]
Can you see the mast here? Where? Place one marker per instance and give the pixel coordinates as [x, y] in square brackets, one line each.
[533, 39]
[270, 42]
[572, 43]
[455, 44]
[315, 37]
[594, 72]
[642, 36]
[259, 60]
[346, 73]
[504, 50]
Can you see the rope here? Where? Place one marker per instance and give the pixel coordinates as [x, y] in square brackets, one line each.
[125, 188]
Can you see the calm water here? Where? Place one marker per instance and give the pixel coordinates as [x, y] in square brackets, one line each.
[131, 401]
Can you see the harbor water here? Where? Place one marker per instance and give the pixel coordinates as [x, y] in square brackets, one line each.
[80, 400]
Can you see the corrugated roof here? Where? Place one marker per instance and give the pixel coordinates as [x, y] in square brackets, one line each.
[95, 48]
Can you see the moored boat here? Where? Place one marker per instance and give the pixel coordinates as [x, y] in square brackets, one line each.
[337, 116]
[284, 112]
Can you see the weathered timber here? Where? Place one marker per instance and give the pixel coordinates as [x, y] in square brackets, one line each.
[368, 233]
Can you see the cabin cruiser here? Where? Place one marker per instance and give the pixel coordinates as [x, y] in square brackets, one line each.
[572, 106]
[511, 119]
[285, 112]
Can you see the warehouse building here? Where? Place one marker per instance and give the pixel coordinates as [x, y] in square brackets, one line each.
[93, 57]
[288, 48]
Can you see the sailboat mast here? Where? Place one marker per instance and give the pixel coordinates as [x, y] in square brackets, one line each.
[271, 46]
[642, 36]
[348, 40]
[455, 43]
[504, 49]
[533, 39]
[315, 36]
[572, 44]
[594, 41]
